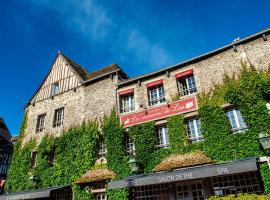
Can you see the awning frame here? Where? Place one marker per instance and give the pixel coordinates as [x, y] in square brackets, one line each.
[190, 173]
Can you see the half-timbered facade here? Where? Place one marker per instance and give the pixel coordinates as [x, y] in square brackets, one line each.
[69, 95]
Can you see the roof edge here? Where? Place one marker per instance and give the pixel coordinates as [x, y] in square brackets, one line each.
[197, 58]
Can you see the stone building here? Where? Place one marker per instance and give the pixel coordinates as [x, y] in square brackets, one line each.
[70, 95]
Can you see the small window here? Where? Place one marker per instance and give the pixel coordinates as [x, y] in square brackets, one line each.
[101, 149]
[127, 103]
[156, 95]
[54, 89]
[187, 85]
[130, 147]
[40, 123]
[236, 120]
[58, 117]
[268, 106]
[194, 130]
[33, 159]
[51, 156]
[101, 196]
[162, 137]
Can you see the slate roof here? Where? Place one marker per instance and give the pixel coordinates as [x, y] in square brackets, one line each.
[81, 71]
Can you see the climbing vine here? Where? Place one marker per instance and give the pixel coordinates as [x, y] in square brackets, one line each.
[76, 149]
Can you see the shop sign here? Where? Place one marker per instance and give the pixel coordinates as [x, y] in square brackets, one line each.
[166, 110]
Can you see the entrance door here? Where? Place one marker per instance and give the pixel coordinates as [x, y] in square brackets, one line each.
[190, 191]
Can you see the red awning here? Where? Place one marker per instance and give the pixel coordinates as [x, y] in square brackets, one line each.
[158, 82]
[184, 73]
[125, 92]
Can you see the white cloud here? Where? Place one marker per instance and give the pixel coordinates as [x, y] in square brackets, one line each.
[96, 23]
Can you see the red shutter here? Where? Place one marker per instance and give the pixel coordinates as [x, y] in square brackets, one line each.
[159, 82]
[184, 73]
[125, 92]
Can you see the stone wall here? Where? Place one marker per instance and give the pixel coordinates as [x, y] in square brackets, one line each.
[97, 99]
[208, 71]
[83, 104]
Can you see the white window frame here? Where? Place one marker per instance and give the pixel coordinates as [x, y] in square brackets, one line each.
[101, 149]
[237, 117]
[40, 123]
[101, 196]
[58, 117]
[268, 106]
[196, 130]
[160, 94]
[54, 89]
[130, 146]
[185, 90]
[127, 103]
[163, 137]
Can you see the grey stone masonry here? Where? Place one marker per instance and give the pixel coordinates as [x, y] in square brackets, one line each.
[94, 100]
[208, 69]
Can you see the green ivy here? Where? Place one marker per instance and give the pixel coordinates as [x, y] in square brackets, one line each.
[75, 150]
[144, 136]
[115, 146]
[177, 133]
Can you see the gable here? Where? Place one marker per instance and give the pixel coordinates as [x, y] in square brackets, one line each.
[61, 73]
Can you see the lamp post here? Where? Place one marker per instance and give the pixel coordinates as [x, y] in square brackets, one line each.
[133, 164]
[264, 139]
[34, 179]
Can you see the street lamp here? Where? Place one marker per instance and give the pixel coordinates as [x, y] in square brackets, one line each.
[264, 139]
[34, 179]
[133, 164]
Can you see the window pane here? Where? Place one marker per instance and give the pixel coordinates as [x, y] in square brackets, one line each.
[162, 137]
[157, 95]
[127, 103]
[236, 120]
[187, 85]
[193, 129]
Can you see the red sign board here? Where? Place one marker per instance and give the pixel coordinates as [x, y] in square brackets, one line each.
[159, 112]
[184, 73]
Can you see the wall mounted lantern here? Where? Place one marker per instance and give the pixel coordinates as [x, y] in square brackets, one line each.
[133, 164]
[264, 139]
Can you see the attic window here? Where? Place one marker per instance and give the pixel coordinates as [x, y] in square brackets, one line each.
[55, 89]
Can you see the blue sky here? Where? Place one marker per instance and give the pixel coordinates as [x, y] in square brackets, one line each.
[139, 35]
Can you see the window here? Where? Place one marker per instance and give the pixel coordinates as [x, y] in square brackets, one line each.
[194, 130]
[40, 123]
[33, 159]
[101, 149]
[130, 147]
[156, 95]
[268, 106]
[54, 89]
[236, 120]
[187, 85]
[58, 117]
[101, 196]
[248, 182]
[162, 137]
[51, 156]
[127, 103]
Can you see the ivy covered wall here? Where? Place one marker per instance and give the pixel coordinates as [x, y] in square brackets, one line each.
[76, 149]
